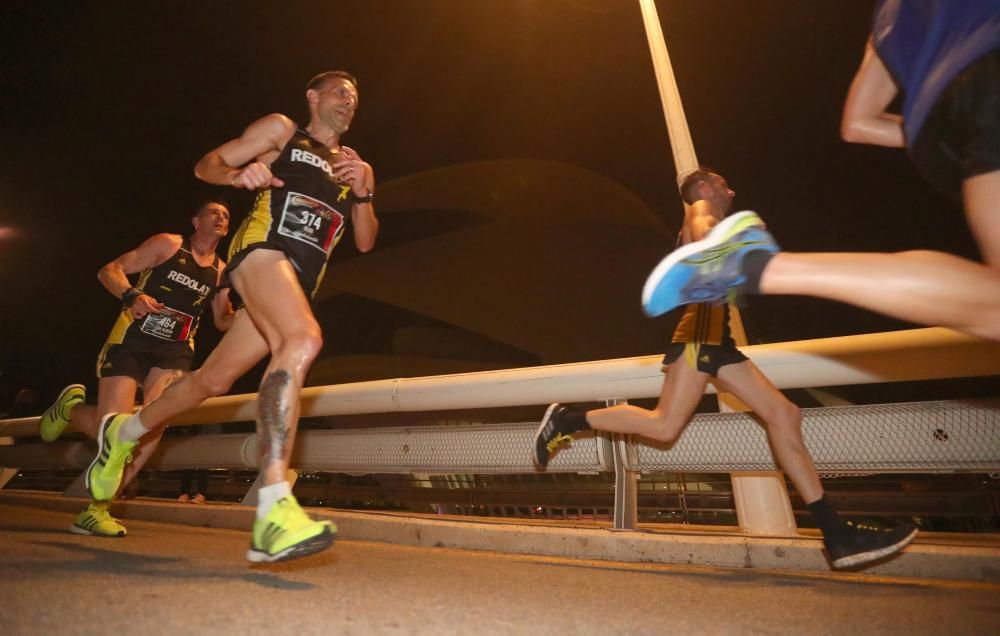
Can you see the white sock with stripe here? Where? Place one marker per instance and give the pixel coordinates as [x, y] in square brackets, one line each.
[132, 429]
[267, 496]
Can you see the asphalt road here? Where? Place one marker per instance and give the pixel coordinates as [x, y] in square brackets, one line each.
[167, 579]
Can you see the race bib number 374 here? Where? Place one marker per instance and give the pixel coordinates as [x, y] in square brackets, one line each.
[311, 221]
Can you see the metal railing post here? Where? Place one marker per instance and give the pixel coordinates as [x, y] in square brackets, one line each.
[626, 481]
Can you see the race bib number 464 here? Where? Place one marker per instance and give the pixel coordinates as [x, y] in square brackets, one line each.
[169, 324]
[311, 221]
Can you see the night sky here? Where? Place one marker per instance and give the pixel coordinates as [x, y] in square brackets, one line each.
[108, 105]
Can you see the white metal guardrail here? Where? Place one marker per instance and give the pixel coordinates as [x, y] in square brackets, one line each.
[943, 436]
[923, 437]
[916, 354]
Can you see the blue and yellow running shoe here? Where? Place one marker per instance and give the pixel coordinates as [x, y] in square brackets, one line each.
[97, 521]
[709, 270]
[287, 532]
[56, 418]
[105, 473]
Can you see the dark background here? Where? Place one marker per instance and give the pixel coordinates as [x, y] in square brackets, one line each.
[108, 105]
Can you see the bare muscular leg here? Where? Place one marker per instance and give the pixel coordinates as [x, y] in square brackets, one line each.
[241, 347]
[682, 389]
[784, 424]
[281, 311]
[926, 287]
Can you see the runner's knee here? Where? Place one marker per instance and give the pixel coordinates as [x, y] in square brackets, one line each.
[785, 416]
[668, 428]
[300, 347]
[784, 424]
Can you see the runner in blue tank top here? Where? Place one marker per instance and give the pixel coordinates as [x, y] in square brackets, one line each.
[944, 56]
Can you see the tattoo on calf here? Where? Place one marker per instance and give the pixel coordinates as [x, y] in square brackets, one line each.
[272, 427]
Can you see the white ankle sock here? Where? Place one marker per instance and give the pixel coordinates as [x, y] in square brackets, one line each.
[132, 429]
[269, 495]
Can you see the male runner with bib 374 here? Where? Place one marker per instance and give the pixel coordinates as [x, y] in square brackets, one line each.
[309, 189]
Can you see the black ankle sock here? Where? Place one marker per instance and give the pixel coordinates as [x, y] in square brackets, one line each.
[827, 518]
[573, 420]
[753, 266]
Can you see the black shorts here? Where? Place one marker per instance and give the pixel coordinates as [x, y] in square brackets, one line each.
[707, 358]
[308, 280]
[136, 360]
[961, 137]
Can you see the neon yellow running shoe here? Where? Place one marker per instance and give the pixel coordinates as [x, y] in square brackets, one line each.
[105, 473]
[56, 418]
[97, 521]
[286, 532]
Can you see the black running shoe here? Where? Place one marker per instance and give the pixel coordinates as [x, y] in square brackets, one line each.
[551, 433]
[860, 544]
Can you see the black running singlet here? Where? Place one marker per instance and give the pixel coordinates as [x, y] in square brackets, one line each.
[184, 287]
[304, 219]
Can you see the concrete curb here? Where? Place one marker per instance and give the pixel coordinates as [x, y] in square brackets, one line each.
[955, 557]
